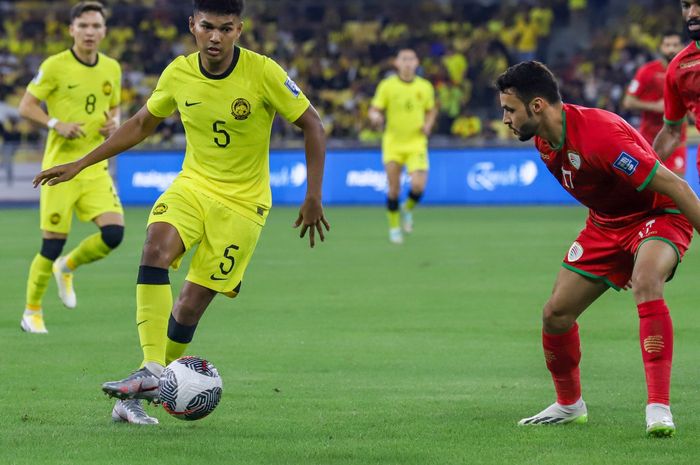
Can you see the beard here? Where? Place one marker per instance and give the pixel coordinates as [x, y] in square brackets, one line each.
[693, 34]
[527, 131]
[669, 57]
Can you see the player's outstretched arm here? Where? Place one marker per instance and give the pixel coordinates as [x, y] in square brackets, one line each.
[630, 102]
[136, 129]
[667, 183]
[311, 216]
[667, 140]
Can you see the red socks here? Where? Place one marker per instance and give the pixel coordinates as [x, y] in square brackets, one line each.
[562, 352]
[656, 340]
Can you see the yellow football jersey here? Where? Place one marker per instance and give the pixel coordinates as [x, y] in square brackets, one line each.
[76, 92]
[228, 119]
[404, 104]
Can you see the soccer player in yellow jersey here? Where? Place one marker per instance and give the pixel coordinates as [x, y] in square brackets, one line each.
[81, 88]
[227, 97]
[406, 102]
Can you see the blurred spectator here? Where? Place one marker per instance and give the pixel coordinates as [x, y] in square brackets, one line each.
[338, 52]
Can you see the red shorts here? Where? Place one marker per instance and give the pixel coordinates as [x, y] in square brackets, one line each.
[608, 254]
[676, 162]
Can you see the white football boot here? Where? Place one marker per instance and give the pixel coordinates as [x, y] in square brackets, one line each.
[557, 414]
[33, 322]
[395, 236]
[660, 421]
[131, 411]
[64, 281]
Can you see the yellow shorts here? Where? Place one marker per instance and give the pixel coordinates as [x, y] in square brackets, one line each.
[89, 198]
[413, 160]
[226, 239]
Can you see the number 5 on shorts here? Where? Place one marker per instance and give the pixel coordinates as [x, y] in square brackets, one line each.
[227, 266]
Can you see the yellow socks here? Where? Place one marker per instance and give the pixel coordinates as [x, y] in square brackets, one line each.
[92, 248]
[154, 302]
[394, 219]
[38, 281]
[174, 350]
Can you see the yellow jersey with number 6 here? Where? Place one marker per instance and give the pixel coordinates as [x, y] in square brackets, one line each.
[77, 92]
[228, 119]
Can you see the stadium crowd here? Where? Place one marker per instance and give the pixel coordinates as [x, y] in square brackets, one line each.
[337, 52]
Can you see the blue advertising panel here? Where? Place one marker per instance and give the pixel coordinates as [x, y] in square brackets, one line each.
[488, 176]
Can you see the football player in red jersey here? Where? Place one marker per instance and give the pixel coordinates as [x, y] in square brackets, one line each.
[646, 94]
[634, 236]
[682, 86]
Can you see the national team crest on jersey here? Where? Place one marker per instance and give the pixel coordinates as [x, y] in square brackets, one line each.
[55, 218]
[626, 163]
[575, 252]
[107, 88]
[160, 209]
[240, 109]
[292, 86]
[574, 159]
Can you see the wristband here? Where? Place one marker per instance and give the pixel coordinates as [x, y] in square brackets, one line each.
[52, 123]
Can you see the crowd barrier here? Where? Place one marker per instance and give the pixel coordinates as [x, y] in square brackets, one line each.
[473, 176]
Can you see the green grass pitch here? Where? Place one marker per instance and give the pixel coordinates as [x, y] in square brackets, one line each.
[357, 352]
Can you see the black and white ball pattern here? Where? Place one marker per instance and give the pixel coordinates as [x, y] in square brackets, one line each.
[190, 388]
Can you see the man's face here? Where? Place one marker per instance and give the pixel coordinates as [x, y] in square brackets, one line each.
[215, 34]
[88, 30]
[517, 116]
[406, 62]
[691, 16]
[670, 46]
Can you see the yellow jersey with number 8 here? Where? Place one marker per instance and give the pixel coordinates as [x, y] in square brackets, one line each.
[77, 92]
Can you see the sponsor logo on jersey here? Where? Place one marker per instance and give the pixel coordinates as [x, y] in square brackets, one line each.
[55, 218]
[575, 252]
[240, 109]
[574, 159]
[293, 88]
[626, 163]
[160, 209]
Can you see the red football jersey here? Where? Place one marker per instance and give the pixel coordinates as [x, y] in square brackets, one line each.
[648, 86]
[605, 164]
[682, 88]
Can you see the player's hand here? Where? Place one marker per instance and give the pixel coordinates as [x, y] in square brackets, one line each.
[109, 127]
[57, 174]
[311, 218]
[427, 129]
[627, 286]
[376, 118]
[69, 130]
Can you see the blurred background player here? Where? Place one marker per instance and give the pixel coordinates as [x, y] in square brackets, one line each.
[682, 86]
[646, 94]
[227, 97]
[81, 88]
[406, 102]
[634, 235]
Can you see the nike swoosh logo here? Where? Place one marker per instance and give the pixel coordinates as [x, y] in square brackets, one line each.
[73, 86]
[214, 278]
[188, 104]
[141, 322]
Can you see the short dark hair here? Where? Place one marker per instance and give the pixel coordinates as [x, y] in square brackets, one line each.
[219, 7]
[528, 80]
[671, 34]
[82, 7]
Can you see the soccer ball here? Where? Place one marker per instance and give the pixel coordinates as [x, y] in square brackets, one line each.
[190, 388]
